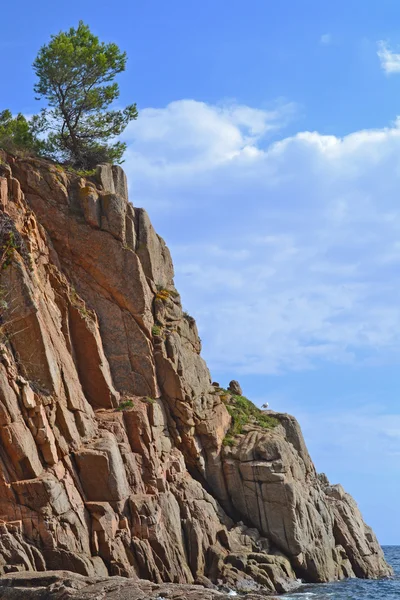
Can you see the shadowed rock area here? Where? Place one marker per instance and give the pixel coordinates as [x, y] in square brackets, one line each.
[118, 456]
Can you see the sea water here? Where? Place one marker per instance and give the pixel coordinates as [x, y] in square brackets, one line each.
[356, 589]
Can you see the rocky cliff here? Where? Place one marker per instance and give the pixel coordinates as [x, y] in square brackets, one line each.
[117, 454]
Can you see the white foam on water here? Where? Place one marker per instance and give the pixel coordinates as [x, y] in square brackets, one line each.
[294, 585]
[306, 595]
[303, 595]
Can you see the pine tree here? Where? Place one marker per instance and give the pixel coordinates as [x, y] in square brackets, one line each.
[75, 74]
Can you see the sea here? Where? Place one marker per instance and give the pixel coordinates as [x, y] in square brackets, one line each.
[355, 589]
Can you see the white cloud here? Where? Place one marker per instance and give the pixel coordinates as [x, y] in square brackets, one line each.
[390, 61]
[326, 39]
[188, 134]
[286, 251]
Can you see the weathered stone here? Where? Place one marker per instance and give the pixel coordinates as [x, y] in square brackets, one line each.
[120, 182]
[101, 471]
[113, 214]
[130, 231]
[28, 397]
[20, 448]
[44, 436]
[152, 251]
[93, 368]
[90, 203]
[3, 193]
[234, 388]
[9, 409]
[64, 585]
[104, 174]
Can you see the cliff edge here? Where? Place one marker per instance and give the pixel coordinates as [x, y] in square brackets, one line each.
[117, 454]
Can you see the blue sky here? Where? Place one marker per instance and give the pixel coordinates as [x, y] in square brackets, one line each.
[267, 152]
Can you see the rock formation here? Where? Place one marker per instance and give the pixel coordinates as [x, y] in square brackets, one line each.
[117, 454]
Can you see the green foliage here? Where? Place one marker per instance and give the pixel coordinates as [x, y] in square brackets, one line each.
[229, 441]
[82, 172]
[75, 74]
[18, 134]
[7, 250]
[156, 330]
[11, 242]
[244, 412]
[148, 399]
[80, 304]
[125, 404]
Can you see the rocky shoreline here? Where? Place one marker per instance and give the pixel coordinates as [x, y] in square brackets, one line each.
[62, 585]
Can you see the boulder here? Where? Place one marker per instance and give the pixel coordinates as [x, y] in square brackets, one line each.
[234, 388]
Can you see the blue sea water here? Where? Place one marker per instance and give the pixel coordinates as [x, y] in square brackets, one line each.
[356, 589]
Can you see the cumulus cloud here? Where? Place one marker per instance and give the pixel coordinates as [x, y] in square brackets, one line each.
[286, 248]
[189, 135]
[390, 61]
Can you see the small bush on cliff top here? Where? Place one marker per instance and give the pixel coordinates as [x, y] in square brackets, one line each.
[82, 172]
[229, 441]
[244, 412]
[125, 404]
[18, 134]
[148, 399]
[163, 295]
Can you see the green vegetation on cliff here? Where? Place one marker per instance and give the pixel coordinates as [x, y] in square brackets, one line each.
[244, 412]
[17, 134]
[78, 127]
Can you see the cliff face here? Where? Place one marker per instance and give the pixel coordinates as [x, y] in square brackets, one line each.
[111, 435]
